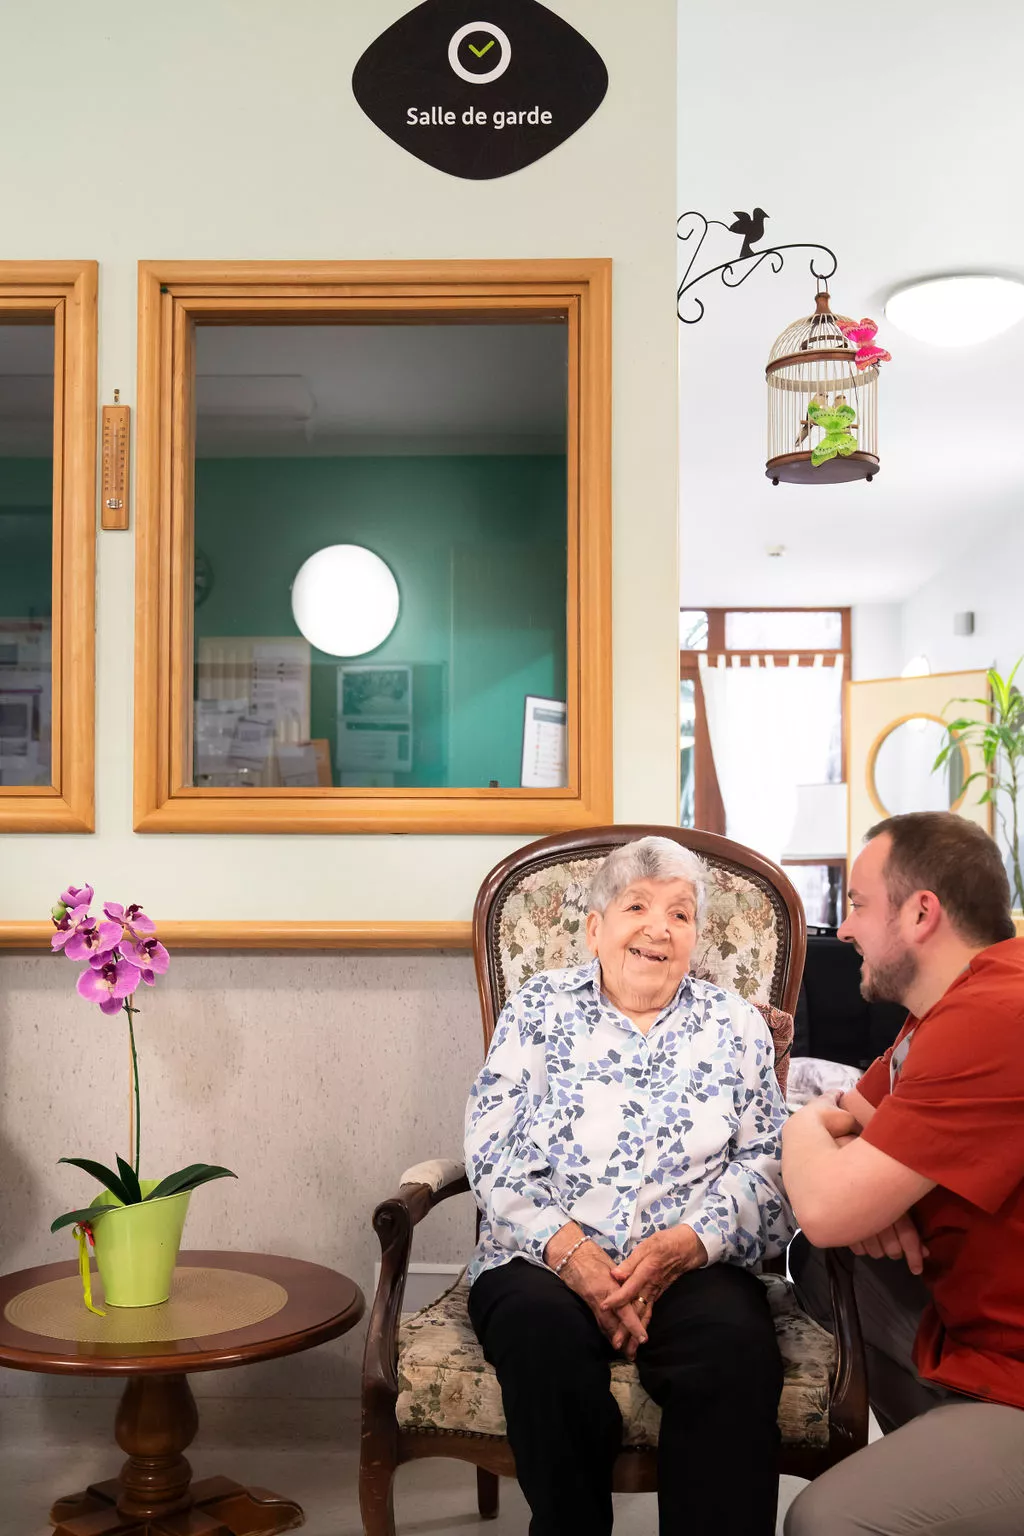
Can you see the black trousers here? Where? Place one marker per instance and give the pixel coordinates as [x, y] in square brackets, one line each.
[711, 1362]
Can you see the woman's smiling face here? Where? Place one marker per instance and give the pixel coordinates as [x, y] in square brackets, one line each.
[644, 940]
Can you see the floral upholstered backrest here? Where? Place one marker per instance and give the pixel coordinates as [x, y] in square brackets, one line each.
[540, 921]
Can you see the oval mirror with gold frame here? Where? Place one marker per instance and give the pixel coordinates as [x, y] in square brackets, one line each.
[900, 768]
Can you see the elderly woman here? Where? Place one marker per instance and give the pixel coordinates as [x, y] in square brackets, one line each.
[623, 1142]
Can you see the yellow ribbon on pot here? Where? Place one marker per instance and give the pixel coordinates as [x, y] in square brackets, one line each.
[84, 1271]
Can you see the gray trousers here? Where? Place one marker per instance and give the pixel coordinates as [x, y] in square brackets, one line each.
[947, 1463]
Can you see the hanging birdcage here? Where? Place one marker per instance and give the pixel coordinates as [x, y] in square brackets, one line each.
[822, 402]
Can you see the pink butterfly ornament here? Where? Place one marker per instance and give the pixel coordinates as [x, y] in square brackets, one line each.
[862, 334]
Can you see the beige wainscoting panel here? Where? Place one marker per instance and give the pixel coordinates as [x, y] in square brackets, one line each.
[876, 708]
[317, 1078]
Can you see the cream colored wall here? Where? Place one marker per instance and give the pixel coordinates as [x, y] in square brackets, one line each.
[227, 128]
[220, 129]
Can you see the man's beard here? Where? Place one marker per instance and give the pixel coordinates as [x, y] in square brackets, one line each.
[889, 980]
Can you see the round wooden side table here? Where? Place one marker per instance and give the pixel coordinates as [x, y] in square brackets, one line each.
[45, 1327]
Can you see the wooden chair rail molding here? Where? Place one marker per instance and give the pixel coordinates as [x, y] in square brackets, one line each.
[175, 297]
[270, 936]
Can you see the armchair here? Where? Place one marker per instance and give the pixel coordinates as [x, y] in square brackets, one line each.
[427, 1390]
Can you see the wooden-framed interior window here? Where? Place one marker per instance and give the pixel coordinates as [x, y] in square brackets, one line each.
[707, 632]
[450, 422]
[47, 545]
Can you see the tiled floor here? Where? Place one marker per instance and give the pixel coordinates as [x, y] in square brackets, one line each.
[307, 1451]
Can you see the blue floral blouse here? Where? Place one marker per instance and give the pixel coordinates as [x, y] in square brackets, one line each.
[578, 1116]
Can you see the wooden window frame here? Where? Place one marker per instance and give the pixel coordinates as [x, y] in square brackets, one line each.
[708, 808]
[63, 293]
[171, 297]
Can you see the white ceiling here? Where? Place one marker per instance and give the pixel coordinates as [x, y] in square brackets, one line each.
[328, 389]
[888, 131]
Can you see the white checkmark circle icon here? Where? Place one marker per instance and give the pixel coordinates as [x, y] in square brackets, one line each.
[500, 37]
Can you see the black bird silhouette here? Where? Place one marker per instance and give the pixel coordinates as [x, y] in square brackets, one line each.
[751, 227]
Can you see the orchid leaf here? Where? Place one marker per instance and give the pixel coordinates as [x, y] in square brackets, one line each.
[189, 1178]
[130, 1180]
[87, 1217]
[105, 1175]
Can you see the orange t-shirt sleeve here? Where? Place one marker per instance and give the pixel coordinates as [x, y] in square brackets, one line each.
[874, 1085]
[956, 1114]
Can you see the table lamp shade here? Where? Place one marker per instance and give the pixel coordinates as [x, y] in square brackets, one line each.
[819, 827]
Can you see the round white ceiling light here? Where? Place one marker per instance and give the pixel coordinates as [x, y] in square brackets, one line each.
[345, 600]
[957, 311]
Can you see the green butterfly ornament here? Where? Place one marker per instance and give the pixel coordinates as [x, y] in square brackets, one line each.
[836, 421]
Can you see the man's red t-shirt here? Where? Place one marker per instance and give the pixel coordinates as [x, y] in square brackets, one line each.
[956, 1115]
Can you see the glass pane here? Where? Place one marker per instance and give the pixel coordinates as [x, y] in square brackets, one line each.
[818, 886]
[381, 545]
[26, 552]
[687, 772]
[815, 630]
[693, 629]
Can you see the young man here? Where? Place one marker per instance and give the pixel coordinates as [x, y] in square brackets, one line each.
[923, 1163]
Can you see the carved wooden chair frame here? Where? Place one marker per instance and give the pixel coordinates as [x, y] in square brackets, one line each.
[385, 1443]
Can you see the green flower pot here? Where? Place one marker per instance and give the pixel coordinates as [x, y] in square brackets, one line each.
[137, 1246]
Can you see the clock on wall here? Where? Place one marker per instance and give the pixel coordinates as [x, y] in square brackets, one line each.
[203, 578]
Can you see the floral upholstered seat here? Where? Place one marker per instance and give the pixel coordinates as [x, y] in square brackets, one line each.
[445, 1384]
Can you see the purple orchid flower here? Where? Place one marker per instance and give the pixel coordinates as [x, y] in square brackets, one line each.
[108, 986]
[91, 938]
[77, 895]
[66, 924]
[150, 956]
[132, 917]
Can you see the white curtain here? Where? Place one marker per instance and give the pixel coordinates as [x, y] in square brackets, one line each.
[771, 729]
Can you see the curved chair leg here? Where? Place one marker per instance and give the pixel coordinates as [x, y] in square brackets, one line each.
[487, 1493]
[377, 1498]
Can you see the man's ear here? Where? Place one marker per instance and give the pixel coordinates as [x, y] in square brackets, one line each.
[593, 929]
[926, 912]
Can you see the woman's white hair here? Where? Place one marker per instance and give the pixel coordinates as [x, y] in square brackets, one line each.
[649, 858]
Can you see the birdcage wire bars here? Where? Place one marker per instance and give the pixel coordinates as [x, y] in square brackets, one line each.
[812, 358]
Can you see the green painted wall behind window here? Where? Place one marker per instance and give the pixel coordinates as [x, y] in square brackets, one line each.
[478, 547]
[26, 538]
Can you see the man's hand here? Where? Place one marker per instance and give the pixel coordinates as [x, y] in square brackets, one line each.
[900, 1241]
[650, 1269]
[840, 1124]
[590, 1274]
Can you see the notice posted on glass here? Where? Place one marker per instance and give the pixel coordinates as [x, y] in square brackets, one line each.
[545, 750]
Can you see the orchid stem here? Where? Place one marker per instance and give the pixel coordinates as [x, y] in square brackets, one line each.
[129, 1010]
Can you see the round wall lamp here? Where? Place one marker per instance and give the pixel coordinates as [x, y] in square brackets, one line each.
[960, 310]
[345, 600]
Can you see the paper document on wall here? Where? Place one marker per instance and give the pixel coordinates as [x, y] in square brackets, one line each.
[545, 744]
[375, 718]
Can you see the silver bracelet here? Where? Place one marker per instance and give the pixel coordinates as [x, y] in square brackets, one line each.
[563, 1261]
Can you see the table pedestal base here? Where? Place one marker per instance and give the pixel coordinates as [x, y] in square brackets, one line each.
[155, 1495]
[219, 1507]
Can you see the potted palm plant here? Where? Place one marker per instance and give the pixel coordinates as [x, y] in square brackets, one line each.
[1000, 739]
[134, 1224]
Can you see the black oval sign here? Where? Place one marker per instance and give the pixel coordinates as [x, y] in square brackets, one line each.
[480, 88]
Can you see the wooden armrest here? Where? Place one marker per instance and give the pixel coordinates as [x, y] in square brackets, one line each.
[422, 1187]
[848, 1406]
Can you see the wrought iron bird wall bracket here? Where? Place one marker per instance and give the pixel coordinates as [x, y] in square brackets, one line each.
[750, 227]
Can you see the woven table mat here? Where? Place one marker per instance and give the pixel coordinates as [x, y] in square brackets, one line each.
[202, 1301]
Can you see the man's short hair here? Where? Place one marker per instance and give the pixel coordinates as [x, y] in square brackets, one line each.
[957, 860]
